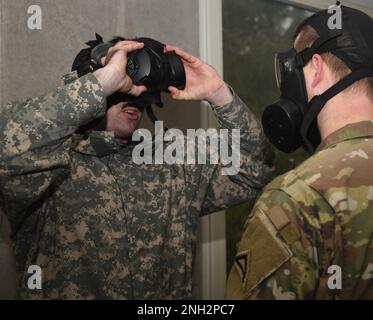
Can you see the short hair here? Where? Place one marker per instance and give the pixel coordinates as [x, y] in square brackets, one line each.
[307, 36]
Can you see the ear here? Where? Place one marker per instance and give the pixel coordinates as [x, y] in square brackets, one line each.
[317, 67]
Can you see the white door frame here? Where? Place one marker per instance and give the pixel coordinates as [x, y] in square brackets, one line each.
[211, 253]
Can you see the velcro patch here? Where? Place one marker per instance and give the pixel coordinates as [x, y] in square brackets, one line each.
[259, 254]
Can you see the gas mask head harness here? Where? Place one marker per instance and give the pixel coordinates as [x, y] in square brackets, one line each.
[291, 122]
[150, 66]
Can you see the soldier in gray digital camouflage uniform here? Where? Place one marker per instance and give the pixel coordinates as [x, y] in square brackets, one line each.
[99, 226]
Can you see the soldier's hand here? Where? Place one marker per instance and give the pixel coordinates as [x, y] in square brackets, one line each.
[113, 76]
[202, 81]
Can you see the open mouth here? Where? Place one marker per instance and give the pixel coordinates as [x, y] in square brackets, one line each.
[132, 112]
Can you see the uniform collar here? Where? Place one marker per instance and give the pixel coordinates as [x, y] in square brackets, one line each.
[100, 144]
[349, 132]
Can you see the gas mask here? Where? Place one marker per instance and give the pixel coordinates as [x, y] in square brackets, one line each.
[291, 122]
[149, 66]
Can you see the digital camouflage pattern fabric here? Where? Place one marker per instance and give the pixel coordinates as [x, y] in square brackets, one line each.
[98, 225]
[309, 221]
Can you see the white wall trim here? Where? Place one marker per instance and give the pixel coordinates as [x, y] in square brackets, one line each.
[212, 239]
[211, 44]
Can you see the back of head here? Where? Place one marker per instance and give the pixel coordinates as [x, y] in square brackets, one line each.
[351, 50]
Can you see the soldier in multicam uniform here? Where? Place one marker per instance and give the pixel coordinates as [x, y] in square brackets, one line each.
[310, 233]
[98, 225]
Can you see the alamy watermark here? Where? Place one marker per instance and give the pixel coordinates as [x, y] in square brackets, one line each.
[335, 280]
[35, 279]
[199, 146]
[335, 20]
[34, 21]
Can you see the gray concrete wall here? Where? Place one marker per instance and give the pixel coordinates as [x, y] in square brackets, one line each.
[173, 22]
[31, 61]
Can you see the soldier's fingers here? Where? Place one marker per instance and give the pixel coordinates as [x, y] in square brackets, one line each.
[137, 90]
[184, 55]
[109, 55]
[129, 46]
[125, 47]
[125, 42]
[175, 93]
[169, 48]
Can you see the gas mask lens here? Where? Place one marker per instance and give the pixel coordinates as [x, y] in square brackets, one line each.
[278, 71]
[284, 64]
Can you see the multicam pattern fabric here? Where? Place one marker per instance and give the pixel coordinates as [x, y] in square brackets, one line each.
[310, 234]
[99, 226]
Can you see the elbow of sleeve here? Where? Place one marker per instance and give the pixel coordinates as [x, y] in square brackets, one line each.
[261, 166]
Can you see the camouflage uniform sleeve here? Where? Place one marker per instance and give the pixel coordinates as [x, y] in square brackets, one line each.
[276, 258]
[256, 159]
[36, 138]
